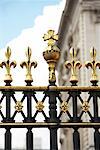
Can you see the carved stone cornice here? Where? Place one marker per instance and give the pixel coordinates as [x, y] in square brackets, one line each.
[67, 15]
[66, 19]
[90, 5]
[94, 6]
[97, 16]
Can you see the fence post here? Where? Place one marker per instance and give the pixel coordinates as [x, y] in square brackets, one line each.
[53, 118]
[29, 139]
[7, 139]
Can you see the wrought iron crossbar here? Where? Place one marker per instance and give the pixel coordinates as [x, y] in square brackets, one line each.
[79, 101]
[53, 120]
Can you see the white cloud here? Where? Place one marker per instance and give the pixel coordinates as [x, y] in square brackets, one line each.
[33, 37]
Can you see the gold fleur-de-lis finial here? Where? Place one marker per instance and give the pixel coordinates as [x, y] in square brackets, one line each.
[93, 64]
[50, 37]
[28, 64]
[73, 64]
[8, 65]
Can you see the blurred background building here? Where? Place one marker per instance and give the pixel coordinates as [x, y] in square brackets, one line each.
[80, 28]
[37, 143]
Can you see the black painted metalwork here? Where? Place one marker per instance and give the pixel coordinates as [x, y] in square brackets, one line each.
[57, 106]
[53, 118]
[53, 122]
[76, 139]
[8, 139]
[29, 139]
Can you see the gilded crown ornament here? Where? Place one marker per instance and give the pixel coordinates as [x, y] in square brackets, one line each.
[73, 64]
[51, 54]
[8, 64]
[93, 64]
[28, 64]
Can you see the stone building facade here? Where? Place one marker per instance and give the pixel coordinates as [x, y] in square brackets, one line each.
[80, 28]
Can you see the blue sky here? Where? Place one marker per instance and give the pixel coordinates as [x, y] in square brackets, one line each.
[16, 15]
[23, 23]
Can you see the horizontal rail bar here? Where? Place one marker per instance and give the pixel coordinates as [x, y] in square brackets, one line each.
[47, 125]
[54, 88]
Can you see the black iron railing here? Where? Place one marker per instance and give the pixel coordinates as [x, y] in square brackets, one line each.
[52, 95]
[53, 122]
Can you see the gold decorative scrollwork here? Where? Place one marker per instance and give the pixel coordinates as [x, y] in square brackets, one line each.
[64, 106]
[85, 106]
[39, 106]
[18, 106]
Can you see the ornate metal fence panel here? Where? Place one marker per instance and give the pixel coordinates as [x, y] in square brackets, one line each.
[51, 94]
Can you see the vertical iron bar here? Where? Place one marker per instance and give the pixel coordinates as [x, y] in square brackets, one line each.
[74, 95]
[8, 118]
[7, 106]
[76, 140]
[53, 118]
[95, 94]
[29, 139]
[53, 139]
[97, 139]
[28, 95]
[95, 106]
[52, 106]
[8, 139]
[8, 95]
[95, 118]
[29, 106]
[29, 118]
[29, 134]
[74, 99]
[75, 118]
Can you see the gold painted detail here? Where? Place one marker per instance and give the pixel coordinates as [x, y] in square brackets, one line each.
[85, 106]
[52, 76]
[93, 64]
[52, 53]
[28, 64]
[8, 65]
[50, 37]
[53, 88]
[73, 64]
[39, 106]
[18, 106]
[44, 124]
[64, 106]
